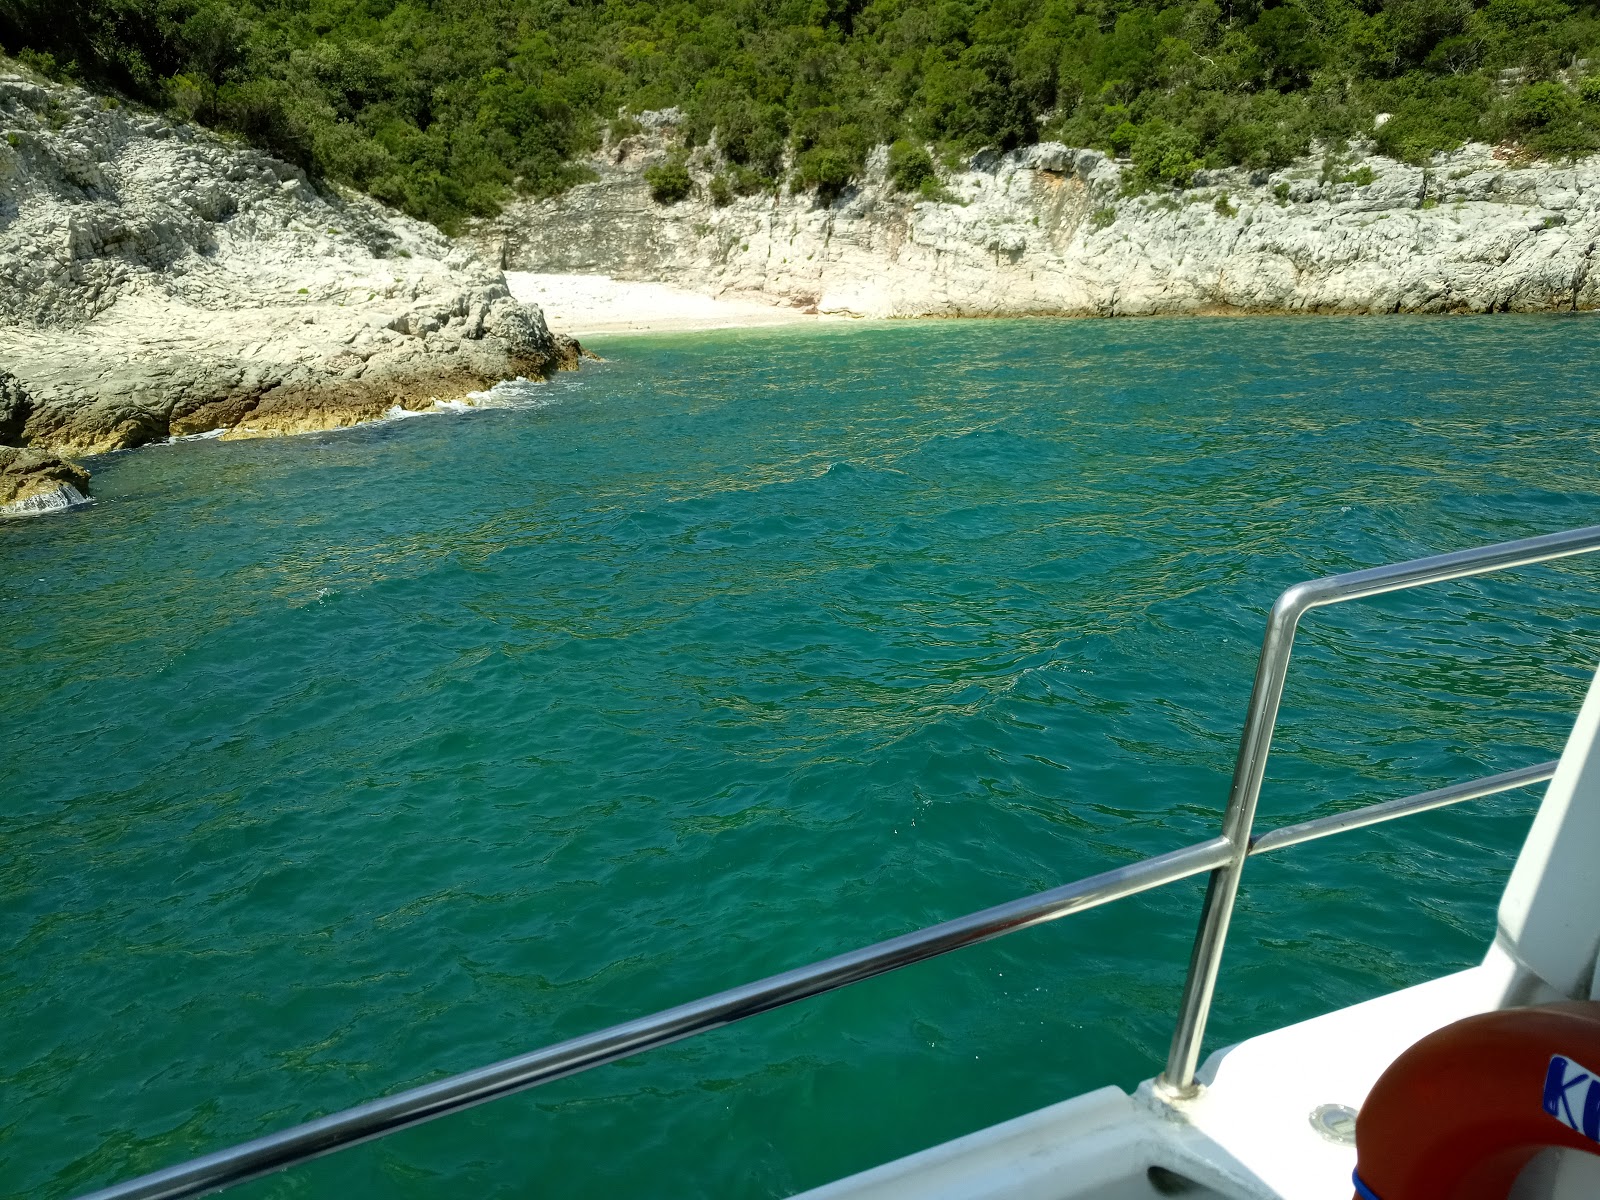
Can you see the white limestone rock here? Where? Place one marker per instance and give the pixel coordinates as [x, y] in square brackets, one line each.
[1048, 230]
[157, 279]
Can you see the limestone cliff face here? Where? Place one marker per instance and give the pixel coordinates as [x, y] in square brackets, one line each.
[156, 280]
[1048, 230]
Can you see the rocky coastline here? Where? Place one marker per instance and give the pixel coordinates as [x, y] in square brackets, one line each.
[157, 280]
[1052, 230]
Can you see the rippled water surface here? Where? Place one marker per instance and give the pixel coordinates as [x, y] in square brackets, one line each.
[332, 764]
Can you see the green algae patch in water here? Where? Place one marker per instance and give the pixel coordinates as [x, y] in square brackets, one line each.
[337, 763]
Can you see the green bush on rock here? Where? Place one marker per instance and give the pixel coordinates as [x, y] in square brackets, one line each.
[910, 166]
[1552, 119]
[669, 182]
[1165, 154]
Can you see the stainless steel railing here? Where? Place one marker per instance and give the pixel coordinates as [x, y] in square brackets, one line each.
[1223, 856]
[1256, 741]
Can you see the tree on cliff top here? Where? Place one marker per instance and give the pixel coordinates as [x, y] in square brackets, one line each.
[446, 108]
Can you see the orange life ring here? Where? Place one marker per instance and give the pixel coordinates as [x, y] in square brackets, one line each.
[1460, 1113]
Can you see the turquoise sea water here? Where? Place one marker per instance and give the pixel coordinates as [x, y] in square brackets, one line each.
[332, 764]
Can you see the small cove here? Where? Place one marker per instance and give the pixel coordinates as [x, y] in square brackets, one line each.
[339, 762]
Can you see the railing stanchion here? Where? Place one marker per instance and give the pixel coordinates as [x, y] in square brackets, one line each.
[1249, 769]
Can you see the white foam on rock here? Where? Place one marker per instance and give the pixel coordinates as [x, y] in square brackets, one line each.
[194, 437]
[63, 497]
[502, 395]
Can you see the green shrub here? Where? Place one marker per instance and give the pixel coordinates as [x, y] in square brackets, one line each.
[272, 114]
[747, 181]
[721, 190]
[1165, 154]
[1101, 218]
[1429, 115]
[752, 137]
[45, 64]
[831, 150]
[1287, 44]
[1541, 104]
[826, 169]
[1222, 208]
[1552, 120]
[910, 166]
[1121, 140]
[669, 181]
[186, 97]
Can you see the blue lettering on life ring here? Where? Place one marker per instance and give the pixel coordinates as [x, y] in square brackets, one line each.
[1572, 1096]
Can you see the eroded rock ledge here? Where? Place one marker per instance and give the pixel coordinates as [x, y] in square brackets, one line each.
[36, 481]
[156, 280]
[142, 373]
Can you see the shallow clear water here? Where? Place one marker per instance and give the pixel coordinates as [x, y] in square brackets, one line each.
[335, 763]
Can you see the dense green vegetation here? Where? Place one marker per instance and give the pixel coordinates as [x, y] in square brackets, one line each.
[447, 107]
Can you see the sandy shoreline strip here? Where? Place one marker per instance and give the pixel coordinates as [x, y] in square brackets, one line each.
[586, 305]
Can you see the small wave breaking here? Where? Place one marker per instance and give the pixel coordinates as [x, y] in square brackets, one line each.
[61, 498]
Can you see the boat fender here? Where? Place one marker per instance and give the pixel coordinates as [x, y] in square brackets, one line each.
[1461, 1112]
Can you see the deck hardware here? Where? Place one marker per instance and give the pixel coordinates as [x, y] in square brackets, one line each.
[1336, 1123]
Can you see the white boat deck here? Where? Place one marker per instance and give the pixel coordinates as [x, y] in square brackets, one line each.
[1247, 1135]
[1259, 1096]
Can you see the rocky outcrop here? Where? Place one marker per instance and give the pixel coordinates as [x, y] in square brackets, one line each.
[1053, 230]
[157, 280]
[143, 372]
[36, 481]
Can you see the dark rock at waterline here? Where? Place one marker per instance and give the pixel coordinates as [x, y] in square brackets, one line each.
[15, 408]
